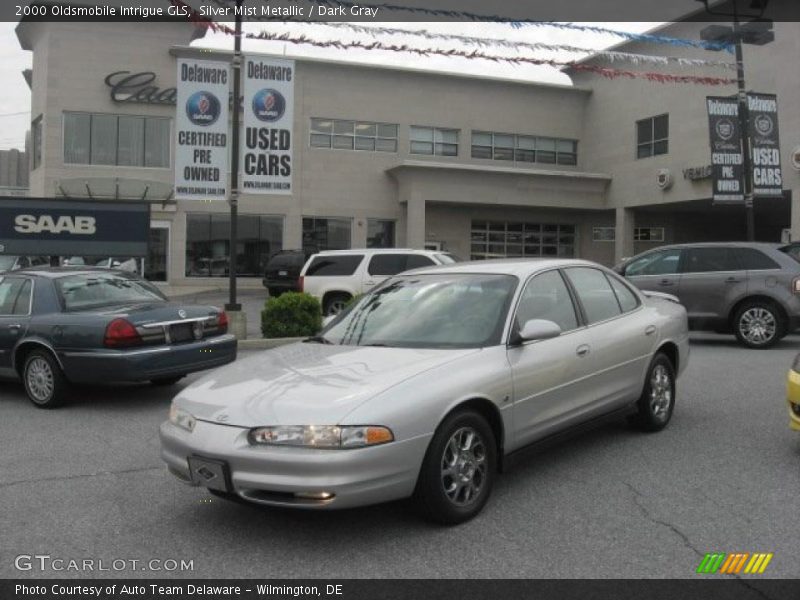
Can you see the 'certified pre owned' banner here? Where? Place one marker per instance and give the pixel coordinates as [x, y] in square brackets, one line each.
[727, 160]
[268, 117]
[201, 155]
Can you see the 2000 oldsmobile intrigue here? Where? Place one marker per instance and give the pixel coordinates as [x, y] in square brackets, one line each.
[425, 384]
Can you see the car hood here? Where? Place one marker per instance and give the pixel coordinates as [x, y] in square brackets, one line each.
[305, 383]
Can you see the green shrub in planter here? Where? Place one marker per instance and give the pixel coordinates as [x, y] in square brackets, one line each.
[291, 315]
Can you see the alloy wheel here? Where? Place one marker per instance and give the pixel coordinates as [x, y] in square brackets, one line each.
[463, 466]
[40, 380]
[660, 392]
[758, 325]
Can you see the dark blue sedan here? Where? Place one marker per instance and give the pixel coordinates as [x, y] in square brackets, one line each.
[60, 326]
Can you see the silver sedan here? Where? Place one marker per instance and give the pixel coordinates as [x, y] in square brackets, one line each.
[427, 384]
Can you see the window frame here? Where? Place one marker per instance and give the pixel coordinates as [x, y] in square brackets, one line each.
[32, 281]
[651, 143]
[315, 218]
[612, 229]
[436, 140]
[637, 233]
[732, 256]
[579, 316]
[376, 138]
[169, 154]
[577, 298]
[515, 148]
[525, 231]
[37, 138]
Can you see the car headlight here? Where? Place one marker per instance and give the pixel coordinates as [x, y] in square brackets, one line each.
[796, 364]
[181, 418]
[321, 436]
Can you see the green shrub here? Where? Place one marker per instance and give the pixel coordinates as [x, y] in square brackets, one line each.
[291, 315]
[353, 300]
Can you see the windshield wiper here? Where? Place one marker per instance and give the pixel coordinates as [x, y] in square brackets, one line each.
[318, 339]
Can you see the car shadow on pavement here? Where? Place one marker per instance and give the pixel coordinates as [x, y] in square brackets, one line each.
[729, 341]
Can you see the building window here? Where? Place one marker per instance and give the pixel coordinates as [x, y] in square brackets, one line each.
[208, 243]
[434, 141]
[353, 135]
[648, 234]
[116, 140]
[155, 265]
[380, 233]
[502, 239]
[604, 234]
[652, 136]
[36, 141]
[524, 148]
[326, 234]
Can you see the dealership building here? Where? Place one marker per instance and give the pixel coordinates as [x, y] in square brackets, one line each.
[397, 157]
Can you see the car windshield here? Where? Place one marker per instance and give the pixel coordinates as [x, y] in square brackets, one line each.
[427, 311]
[7, 262]
[90, 290]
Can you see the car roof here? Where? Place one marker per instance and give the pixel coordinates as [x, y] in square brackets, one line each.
[370, 251]
[739, 244]
[56, 272]
[520, 267]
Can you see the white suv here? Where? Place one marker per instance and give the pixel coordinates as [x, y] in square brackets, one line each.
[335, 276]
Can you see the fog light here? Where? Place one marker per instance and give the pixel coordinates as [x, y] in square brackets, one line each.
[314, 495]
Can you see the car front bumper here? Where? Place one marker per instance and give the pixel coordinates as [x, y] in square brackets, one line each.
[793, 399]
[273, 475]
[147, 363]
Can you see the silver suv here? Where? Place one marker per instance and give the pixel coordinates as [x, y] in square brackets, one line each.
[750, 289]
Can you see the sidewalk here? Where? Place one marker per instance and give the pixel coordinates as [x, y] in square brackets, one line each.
[252, 301]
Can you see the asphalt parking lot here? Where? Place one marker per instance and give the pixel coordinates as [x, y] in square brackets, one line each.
[86, 482]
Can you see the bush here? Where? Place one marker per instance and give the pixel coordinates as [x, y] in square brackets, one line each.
[291, 315]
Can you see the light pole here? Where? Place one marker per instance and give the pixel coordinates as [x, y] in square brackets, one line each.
[757, 32]
[232, 304]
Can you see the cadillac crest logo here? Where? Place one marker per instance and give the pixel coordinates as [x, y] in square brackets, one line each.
[725, 129]
[268, 105]
[763, 124]
[203, 108]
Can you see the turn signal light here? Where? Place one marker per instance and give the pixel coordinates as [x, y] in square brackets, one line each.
[796, 285]
[121, 333]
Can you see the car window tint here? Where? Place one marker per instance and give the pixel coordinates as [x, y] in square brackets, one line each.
[664, 262]
[710, 259]
[417, 261]
[387, 264]
[323, 266]
[22, 305]
[546, 297]
[755, 260]
[9, 290]
[595, 293]
[286, 260]
[627, 299]
[99, 288]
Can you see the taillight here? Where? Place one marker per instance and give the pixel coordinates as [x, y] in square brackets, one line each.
[121, 333]
[300, 282]
[796, 285]
[222, 322]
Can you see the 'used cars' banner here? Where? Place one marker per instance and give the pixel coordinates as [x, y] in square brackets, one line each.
[268, 117]
[201, 153]
[727, 159]
[765, 144]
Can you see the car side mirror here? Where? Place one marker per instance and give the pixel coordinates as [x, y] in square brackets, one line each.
[539, 329]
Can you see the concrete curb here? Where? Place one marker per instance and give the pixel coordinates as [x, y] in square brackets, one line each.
[266, 344]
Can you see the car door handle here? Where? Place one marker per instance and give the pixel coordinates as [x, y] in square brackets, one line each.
[582, 350]
[650, 330]
[666, 283]
[15, 327]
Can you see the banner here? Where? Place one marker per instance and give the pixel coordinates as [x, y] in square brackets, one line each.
[764, 144]
[266, 155]
[727, 158]
[201, 124]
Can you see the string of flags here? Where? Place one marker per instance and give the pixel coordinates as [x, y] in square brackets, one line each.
[606, 72]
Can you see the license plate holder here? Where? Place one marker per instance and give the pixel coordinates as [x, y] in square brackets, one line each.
[181, 332]
[210, 473]
[283, 273]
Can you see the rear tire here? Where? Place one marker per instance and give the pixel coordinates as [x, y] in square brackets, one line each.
[335, 303]
[458, 470]
[44, 380]
[166, 381]
[655, 405]
[759, 324]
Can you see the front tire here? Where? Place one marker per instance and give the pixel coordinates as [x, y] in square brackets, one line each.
[44, 380]
[655, 405]
[459, 469]
[759, 324]
[335, 303]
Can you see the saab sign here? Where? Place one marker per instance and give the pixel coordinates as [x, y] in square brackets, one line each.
[42, 226]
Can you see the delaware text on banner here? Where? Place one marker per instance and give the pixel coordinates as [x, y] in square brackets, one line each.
[727, 159]
[268, 120]
[201, 153]
[765, 144]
